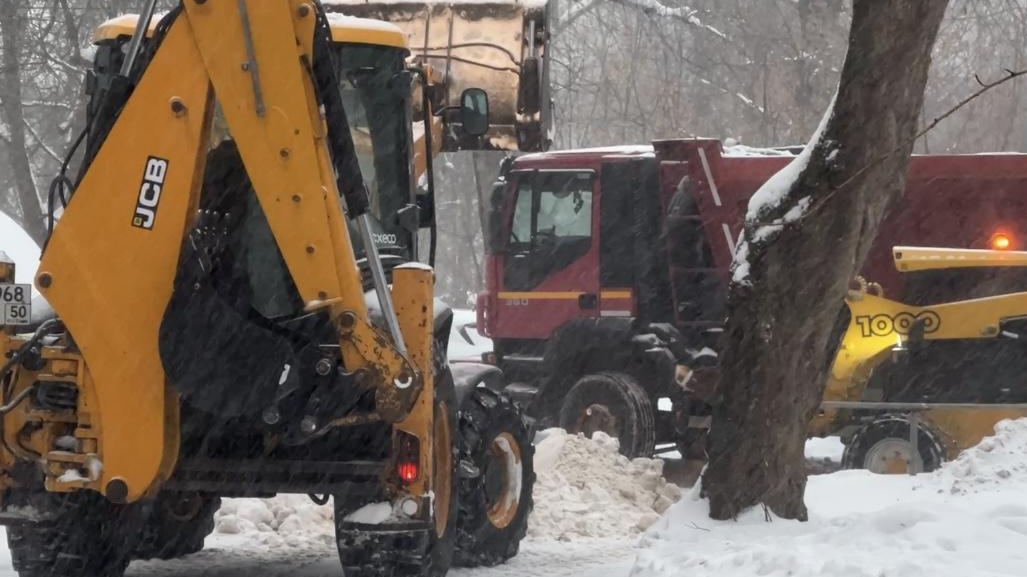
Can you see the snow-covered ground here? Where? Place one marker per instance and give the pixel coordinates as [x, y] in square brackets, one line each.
[967, 518]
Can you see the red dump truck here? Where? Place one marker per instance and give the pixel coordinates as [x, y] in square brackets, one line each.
[607, 271]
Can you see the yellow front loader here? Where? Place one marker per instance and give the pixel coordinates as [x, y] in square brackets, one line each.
[238, 311]
[912, 386]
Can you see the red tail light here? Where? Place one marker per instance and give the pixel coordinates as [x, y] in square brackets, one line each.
[408, 472]
[408, 458]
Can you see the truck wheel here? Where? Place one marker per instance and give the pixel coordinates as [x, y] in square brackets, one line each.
[495, 502]
[408, 549]
[615, 404]
[84, 536]
[177, 526]
[883, 446]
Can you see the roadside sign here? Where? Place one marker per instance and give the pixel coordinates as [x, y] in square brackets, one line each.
[17, 303]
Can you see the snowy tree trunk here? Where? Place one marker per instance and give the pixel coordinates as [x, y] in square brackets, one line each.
[807, 232]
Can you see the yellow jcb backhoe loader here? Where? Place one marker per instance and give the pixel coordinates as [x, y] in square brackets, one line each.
[234, 319]
[912, 386]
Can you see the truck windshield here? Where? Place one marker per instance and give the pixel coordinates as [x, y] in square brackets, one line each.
[551, 226]
[377, 107]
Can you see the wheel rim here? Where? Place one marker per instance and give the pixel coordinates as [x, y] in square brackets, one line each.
[891, 456]
[504, 466]
[595, 418]
[442, 472]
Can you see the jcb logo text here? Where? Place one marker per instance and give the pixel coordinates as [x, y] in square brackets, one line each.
[149, 192]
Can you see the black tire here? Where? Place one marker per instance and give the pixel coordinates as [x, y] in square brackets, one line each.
[395, 550]
[493, 432]
[613, 403]
[873, 440]
[177, 526]
[84, 535]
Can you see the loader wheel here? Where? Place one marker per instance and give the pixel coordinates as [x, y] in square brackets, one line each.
[494, 502]
[177, 526]
[85, 536]
[615, 404]
[405, 549]
[883, 446]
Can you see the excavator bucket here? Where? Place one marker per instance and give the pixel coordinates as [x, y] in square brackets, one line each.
[500, 46]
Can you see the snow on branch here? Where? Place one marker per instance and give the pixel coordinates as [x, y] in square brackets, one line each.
[760, 227]
[682, 13]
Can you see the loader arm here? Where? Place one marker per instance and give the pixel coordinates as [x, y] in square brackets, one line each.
[109, 268]
[914, 258]
[878, 326]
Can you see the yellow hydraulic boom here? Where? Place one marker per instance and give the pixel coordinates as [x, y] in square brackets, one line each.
[151, 165]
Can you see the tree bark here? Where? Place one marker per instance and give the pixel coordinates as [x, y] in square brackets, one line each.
[777, 341]
[31, 218]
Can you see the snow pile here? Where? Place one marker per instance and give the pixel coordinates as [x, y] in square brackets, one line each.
[586, 489]
[292, 521]
[828, 449]
[993, 463]
[863, 524]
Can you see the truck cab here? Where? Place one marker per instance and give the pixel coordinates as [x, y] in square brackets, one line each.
[617, 260]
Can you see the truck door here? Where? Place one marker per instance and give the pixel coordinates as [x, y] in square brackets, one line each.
[550, 270]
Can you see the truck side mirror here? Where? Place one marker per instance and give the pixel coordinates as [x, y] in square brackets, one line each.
[529, 92]
[474, 111]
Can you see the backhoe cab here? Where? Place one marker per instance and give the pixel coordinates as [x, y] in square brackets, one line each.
[239, 311]
[395, 127]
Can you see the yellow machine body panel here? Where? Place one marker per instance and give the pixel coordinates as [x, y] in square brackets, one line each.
[879, 327]
[414, 300]
[366, 31]
[110, 264]
[344, 29]
[965, 428]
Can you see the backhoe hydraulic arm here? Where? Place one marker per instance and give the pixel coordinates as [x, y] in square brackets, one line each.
[109, 270]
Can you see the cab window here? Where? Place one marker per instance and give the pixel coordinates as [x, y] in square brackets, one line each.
[551, 227]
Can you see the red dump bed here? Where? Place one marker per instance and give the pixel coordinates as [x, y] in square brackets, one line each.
[958, 201]
[951, 201]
